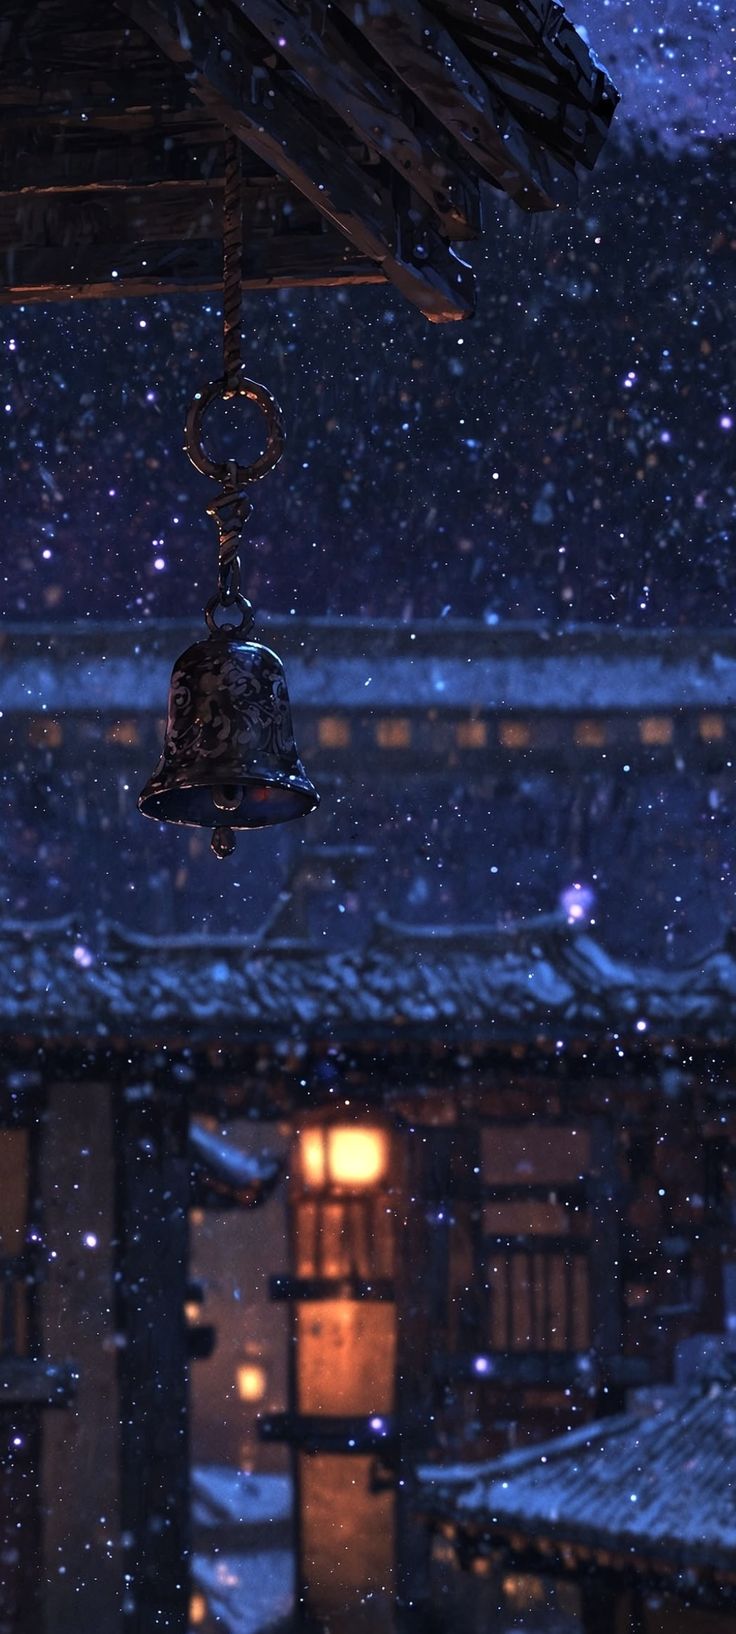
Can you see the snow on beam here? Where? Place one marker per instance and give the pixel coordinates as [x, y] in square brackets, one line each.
[224, 1177]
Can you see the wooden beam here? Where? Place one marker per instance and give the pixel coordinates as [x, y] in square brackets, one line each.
[537, 62]
[415, 46]
[77, 218]
[376, 111]
[253, 105]
[58, 170]
[321, 257]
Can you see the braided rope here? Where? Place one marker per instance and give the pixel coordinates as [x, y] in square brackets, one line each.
[232, 263]
[228, 518]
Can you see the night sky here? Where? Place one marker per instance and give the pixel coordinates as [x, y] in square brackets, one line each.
[567, 453]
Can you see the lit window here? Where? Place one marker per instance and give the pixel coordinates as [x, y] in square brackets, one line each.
[333, 732]
[393, 733]
[712, 728]
[350, 1156]
[44, 733]
[357, 1157]
[590, 734]
[656, 730]
[471, 734]
[514, 734]
[197, 1610]
[125, 733]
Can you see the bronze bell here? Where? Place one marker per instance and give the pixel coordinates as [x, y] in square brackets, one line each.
[229, 758]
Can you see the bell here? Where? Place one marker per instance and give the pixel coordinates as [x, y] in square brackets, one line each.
[229, 758]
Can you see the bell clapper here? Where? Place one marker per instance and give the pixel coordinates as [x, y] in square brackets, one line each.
[227, 797]
[222, 842]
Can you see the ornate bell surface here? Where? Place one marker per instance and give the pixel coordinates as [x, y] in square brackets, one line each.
[229, 757]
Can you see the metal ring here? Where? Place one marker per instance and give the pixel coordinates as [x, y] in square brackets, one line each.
[241, 602]
[224, 471]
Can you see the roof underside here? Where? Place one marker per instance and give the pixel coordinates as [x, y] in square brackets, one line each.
[368, 134]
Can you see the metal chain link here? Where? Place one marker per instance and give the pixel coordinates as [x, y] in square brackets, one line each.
[232, 508]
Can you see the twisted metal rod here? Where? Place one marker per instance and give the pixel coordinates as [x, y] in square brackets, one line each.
[232, 507]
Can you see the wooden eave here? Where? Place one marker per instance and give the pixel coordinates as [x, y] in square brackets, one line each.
[369, 134]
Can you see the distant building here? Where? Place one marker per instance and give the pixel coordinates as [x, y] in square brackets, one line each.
[508, 1148]
[637, 1511]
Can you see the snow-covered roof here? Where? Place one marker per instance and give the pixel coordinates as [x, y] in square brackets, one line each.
[535, 982]
[663, 1486]
[224, 1175]
[356, 664]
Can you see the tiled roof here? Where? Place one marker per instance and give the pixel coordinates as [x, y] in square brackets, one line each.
[541, 981]
[450, 666]
[662, 1486]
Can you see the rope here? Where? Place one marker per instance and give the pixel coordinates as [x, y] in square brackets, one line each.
[232, 263]
[230, 519]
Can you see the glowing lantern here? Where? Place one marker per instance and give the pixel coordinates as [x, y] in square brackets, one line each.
[197, 1610]
[343, 1157]
[251, 1381]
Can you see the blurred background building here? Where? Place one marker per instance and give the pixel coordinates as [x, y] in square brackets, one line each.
[367, 1210]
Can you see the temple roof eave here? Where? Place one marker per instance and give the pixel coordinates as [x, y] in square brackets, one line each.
[533, 982]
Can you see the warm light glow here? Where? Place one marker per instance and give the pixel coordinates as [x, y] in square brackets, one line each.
[712, 728]
[393, 733]
[251, 1381]
[357, 1157]
[471, 734]
[126, 733]
[656, 730]
[314, 1157]
[590, 734]
[514, 734]
[197, 1610]
[44, 733]
[333, 732]
[343, 1155]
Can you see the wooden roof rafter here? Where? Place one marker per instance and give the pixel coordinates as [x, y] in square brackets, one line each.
[369, 134]
[208, 44]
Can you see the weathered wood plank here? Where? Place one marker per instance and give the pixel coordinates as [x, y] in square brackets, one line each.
[539, 29]
[534, 58]
[166, 211]
[29, 164]
[321, 257]
[375, 111]
[261, 114]
[419, 49]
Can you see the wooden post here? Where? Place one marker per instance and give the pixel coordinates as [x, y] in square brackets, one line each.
[82, 1571]
[599, 1604]
[152, 1197]
[605, 1280]
[422, 1292]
